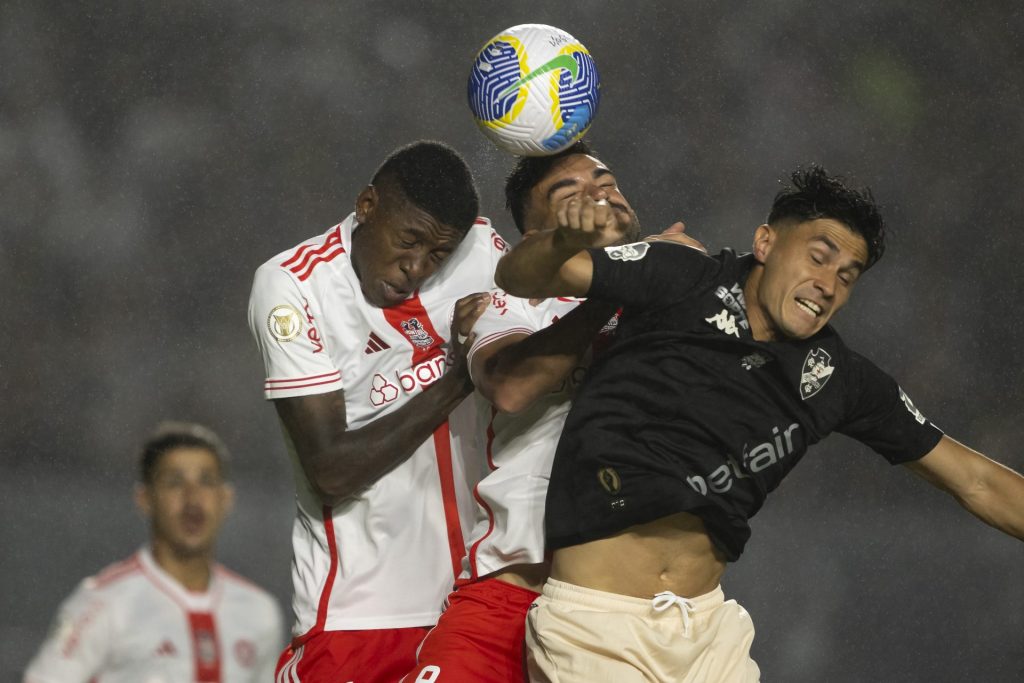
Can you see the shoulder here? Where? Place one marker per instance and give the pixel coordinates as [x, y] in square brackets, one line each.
[117, 574]
[303, 260]
[239, 584]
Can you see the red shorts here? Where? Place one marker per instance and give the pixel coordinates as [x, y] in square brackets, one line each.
[376, 656]
[479, 637]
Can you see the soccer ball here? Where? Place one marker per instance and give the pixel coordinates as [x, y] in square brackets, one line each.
[533, 89]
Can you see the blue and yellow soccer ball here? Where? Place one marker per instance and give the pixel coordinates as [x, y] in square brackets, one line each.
[534, 89]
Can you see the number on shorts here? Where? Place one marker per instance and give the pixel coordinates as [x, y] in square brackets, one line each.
[429, 674]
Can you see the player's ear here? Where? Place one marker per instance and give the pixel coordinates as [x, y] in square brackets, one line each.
[764, 238]
[142, 500]
[366, 203]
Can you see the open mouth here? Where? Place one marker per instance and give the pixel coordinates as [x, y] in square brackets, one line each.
[811, 308]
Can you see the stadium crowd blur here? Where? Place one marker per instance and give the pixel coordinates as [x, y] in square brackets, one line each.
[151, 155]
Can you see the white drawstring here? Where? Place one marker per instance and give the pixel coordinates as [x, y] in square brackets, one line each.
[666, 599]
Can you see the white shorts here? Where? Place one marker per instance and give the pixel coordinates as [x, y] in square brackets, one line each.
[580, 635]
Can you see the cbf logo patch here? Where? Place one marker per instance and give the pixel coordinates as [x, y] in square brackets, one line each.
[816, 371]
[628, 252]
[413, 329]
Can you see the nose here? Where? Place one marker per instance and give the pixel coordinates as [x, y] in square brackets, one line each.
[597, 193]
[415, 267]
[826, 284]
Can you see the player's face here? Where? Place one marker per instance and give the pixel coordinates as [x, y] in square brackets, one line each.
[809, 272]
[573, 176]
[186, 501]
[397, 245]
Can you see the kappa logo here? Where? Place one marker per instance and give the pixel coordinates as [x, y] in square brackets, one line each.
[726, 322]
[918, 415]
[284, 322]
[628, 252]
[413, 329]
[382, 391]
[815, 374]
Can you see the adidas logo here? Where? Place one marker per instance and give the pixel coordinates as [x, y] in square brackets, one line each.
[375, 344]
[166, 649]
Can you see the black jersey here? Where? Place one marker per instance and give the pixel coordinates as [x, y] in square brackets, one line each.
[687, 412]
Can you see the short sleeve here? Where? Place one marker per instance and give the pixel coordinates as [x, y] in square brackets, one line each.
[505, 315]
[647, 274]
[78, 643]
[294, 355]
[882, 416]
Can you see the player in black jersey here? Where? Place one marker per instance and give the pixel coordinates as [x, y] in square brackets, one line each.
[724, 371]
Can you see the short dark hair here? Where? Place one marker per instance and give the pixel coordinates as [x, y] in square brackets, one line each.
[173, 435]
[435, 178]
[525, 175]
[815, 194]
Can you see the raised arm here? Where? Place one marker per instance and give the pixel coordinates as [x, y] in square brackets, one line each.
[553, 262]
[991, 492]
[515, 370]
[339, 462]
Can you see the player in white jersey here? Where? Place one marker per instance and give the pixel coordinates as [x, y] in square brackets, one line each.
[528, 357]
[168, 613]
[354, 328]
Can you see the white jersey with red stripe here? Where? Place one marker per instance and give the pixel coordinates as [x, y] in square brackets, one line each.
[133, 622]
[386, 557]
[509, 524]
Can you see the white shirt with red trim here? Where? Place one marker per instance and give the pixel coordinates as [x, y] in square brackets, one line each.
[386, 557]
[134, 623]
[509, 524]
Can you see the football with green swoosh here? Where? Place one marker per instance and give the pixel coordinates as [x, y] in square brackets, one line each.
[534, 89]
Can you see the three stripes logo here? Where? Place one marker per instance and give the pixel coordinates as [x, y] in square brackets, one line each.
[375, 344]
[308, 256]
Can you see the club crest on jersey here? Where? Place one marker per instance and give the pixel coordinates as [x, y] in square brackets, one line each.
[284, 322]
[628, 252]
[815, 374]
[413, 329]
[726, 322]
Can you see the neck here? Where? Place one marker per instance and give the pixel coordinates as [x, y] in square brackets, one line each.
[759, 327]
[192, 572]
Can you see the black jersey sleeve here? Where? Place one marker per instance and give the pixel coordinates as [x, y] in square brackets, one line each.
[882, 416]
[646, 274]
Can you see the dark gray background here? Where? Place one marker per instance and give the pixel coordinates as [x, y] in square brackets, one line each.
[153, 154]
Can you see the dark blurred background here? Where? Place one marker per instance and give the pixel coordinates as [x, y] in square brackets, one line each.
[152, 155]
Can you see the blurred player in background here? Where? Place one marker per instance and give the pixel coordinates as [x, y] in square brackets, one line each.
[353, 327]
[723, 372]
[528, 358]
[169, 612]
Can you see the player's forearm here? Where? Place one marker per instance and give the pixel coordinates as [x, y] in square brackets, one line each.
[531, 268]
[997, 498]
[519, 374]
[340, 462]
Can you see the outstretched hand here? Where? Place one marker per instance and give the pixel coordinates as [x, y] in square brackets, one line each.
[584, 223]
[677, 233]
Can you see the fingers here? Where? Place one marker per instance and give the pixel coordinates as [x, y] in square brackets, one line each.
[675, 229]
[588, 222]
[468, 310]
